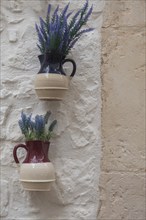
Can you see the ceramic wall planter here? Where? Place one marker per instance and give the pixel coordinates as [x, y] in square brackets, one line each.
[57, 35]
[36, 172]
[51, 82]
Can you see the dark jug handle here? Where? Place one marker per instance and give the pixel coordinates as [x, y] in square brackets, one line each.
[73, 63]
[15, 151]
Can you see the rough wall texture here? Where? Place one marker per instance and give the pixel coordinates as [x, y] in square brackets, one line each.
[75, 152]
[122, 182]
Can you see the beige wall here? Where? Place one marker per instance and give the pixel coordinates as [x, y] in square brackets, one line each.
[122, 182]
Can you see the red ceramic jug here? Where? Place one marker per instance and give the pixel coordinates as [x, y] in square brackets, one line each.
[37, 152]
[36, 171]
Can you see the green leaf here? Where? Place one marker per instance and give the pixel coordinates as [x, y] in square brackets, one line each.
[52, 125]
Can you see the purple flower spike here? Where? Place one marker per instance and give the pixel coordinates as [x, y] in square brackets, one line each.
[59, 32]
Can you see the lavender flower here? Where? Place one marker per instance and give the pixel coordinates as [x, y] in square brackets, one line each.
[59, 32]
[37, 129]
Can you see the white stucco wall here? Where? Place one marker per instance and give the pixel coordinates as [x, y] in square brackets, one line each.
[75, 152]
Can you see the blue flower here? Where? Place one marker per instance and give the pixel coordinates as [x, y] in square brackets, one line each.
[37, 129]
[59, 32]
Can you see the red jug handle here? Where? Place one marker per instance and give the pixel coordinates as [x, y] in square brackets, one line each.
[15, 151]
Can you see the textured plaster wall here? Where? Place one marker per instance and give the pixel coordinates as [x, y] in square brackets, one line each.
[75, 152]
[122, 181]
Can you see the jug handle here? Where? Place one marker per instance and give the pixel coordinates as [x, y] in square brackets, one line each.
[73, 63]
[15, 151]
